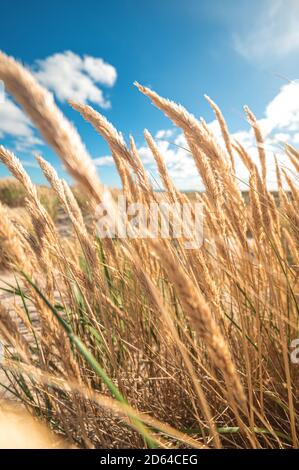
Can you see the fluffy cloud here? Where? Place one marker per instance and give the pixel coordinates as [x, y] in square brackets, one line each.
[15, 123]
[275, 34]
[283, 111]
[27, 144]
[164, 133]
[104, 161]
[100, 71]
[30, 164]
[70, 76]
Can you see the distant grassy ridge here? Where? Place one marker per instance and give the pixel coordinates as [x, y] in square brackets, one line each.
[13, 195]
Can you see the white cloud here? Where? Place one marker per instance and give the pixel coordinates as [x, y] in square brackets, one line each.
[275, 34]
[164, 133]
[30, 164]
[296, 138]
[70, 76]
[100, 71]
[282, 137]
[104, 161]
[283, 111]
[13, 121]
[27, 144]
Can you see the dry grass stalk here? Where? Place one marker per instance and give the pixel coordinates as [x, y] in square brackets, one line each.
[259, 140]
[224, 131]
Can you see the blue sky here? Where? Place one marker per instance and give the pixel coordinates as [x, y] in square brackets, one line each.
[237, 52]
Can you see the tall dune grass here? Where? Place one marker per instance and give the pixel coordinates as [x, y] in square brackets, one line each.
[142, 342]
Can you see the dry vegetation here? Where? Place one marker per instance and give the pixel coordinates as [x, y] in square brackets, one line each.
[13, 194]
[143, 342]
